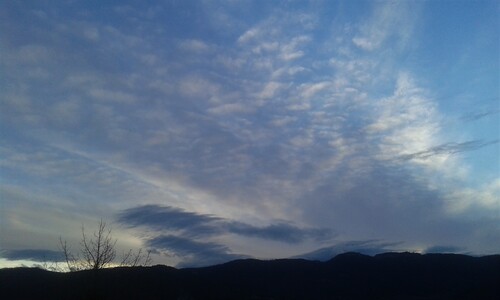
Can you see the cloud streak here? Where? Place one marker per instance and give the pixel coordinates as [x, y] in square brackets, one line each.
[450, 148]
[471, 117]
[38, 255]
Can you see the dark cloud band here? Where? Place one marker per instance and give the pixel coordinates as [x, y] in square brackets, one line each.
[38, 255]
[195, 225]
[450, 148]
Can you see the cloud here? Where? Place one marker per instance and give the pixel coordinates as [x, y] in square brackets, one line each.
[59, 165]
[290, 120]
[38, 255]
[249, 35]
[188, 235]
[194, 253]
[34, 53]
[290, 51]
[392, 19]
[107, 95]
[470, 117]
[270, 89]
[463, 200]
[369, 247]
[196, 225]
[170, 219]
[310, 90]
[406, 122]
[279, 232]
[450, 148]
[91, 34]
[230, 108]
[444, 249]
[194, 46]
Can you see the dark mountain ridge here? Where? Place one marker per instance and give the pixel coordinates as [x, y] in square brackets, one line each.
[346, 276]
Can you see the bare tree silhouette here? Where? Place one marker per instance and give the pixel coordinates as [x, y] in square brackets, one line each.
[138, 258]
[99, 251]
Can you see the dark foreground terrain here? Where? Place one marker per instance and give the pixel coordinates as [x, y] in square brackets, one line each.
[347, 276]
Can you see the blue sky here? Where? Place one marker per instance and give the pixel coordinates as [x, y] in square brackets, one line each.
[213, 130]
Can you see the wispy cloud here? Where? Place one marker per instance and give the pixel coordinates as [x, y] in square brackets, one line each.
[392, 19]
[470, 117]
[194, 46]
[450, 148]
[38, 255]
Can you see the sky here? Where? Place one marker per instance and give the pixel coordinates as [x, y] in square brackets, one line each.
[207, 131]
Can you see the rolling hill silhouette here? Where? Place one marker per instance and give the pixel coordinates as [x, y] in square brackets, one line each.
[346, 276]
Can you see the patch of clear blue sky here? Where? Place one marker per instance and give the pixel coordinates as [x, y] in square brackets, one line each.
[458, 50]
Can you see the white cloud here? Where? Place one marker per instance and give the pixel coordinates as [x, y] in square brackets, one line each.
[392, 19]
[194, 45]
[38, 73]
[110, 95]
[33, 54]
[266, 47]
[299, 106]
[290, 71]
[249, 35]
[270, 89]
[309, 90]
[289, 50]
[230, 108]
[291, 55]
[91, 33]
[66, 112]
[486, 198]
[283, 121]
[149, 59]
[407, 120]
[198, 87]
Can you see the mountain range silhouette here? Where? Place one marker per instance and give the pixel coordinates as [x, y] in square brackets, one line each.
[346, 276]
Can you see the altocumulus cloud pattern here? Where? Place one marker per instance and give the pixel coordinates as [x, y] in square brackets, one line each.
[210, 130]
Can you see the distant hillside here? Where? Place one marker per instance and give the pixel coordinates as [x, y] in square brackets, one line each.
[346, 276]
